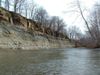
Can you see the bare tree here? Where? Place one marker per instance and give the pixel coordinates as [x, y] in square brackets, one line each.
[60, 25]
[32, 10]
[95, 23]
[53, 22]
[41, 15]
[93, 26]
[7, 4]
[74, 33]
[17, 4]
[23, 6]
[26, 9]
[57, 25]
[82, 15]
[0, 2]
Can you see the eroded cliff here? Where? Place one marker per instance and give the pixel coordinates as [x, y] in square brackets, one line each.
[19, 32]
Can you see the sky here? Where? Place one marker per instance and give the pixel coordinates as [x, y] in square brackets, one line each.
[62, 8]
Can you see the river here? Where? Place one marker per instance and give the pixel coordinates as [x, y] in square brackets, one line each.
[69, 61]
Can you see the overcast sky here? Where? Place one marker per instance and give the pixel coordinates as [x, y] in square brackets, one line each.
[61, 8]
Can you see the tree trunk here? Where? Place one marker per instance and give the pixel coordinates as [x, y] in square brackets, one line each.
[0, 2]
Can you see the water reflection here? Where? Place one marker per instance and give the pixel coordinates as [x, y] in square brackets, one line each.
[50, 62]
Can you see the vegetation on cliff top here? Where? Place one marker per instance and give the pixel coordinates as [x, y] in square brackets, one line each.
[34, 19]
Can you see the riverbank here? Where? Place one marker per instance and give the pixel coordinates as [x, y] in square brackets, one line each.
[15, 37]
[19, 32]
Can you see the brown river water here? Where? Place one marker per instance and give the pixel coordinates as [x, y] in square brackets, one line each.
[69, 61]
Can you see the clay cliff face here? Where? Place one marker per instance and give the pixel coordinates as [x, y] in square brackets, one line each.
[28, 24]
[17, 31]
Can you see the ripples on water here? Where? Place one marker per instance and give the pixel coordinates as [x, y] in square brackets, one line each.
[50, 62]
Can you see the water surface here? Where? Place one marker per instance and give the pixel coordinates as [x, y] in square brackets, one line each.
[70, 61]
